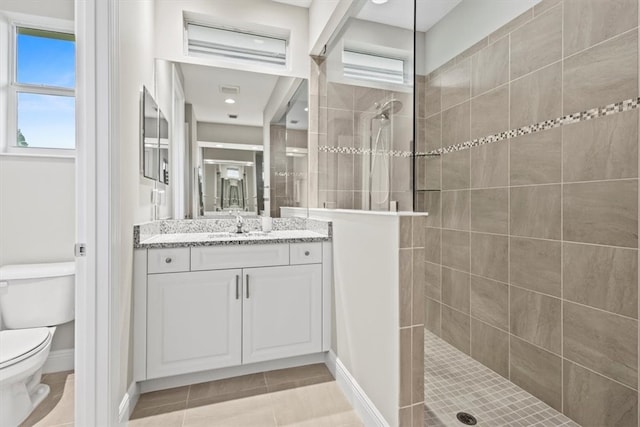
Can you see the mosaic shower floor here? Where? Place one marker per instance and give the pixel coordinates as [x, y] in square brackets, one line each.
[454, 382]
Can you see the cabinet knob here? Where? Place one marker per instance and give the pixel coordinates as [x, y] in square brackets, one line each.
[306, 253]
[168, 260]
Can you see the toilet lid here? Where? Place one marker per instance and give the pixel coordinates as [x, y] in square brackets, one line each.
[18, 344]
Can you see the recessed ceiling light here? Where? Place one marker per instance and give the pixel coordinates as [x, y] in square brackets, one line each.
[379, 1]
[306, 108]
[230, 101]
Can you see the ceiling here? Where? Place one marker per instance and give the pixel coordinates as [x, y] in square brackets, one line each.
[399, 13]
[202, 90]
[301, 3]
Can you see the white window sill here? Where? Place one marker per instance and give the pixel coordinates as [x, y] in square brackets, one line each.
[40, 155]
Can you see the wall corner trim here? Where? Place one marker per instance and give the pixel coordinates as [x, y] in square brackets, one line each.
[356, 396]
[128, 403]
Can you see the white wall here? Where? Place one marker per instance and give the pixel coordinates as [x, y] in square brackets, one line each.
[136, 24]
[37, 194]
[244, 14]
[466, 25]
[325, 17]
[366, 283]
[218, 132]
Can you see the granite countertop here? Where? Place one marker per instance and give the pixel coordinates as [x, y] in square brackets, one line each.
[191, 233]
[175, 240]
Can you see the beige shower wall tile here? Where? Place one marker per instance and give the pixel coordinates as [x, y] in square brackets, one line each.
[602, 212]
[537, 371]
[456, 84]
[432, 246]
[490, 346]
[537, 97]
[490, 67]
[601, 277]
[535, 211]
[490, 165]
[536, 265]
[602, 75]
[588, 22]
[456, 329]
[433, 281]
[433, 95]
[406, 285]
[606, 343]
[604, 148]
[455, 249]
[418, 287]
[455, 170]
[595, 401]
[433, 131]
[536, 318]
[537, 44]
[490, 302]
[455, 289]
[490, 210]
[455, 209]
[432, 316]
[537, 158]
[490, 113]
[456, 124]
[490, 256]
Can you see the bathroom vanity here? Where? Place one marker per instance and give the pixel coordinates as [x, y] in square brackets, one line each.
[206, 299]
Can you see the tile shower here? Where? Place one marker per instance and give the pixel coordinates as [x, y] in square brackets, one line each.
[529, 170]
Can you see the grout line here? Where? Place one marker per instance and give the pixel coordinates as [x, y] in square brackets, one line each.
[562, 35]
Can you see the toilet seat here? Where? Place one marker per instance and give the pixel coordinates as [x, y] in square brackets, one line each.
[19, 344]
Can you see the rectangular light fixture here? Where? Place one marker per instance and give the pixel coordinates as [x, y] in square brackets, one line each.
[207, 41]
[365, 66]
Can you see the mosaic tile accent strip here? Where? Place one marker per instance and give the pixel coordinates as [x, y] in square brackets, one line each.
[454, 382]
[594, 113]
[364, 151]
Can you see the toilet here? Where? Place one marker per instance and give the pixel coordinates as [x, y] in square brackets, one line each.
[34, 299]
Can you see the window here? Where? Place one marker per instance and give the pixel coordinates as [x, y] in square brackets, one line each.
[42, 89]
[205, 41]
[366, 66]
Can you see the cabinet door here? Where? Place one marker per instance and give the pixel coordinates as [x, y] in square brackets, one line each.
[282, 312]
[194, 322]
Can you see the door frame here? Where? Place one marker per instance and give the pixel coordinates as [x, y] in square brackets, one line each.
[97, 360]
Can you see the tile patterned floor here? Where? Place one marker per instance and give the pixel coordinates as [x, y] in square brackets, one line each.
[455, 382]
[304, 396]
[56, 410]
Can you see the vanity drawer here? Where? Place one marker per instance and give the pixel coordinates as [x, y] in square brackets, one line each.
[306, 253]
[244, 256]
[169, 260]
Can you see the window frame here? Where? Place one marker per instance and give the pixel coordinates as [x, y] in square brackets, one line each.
[354, 51]
[10, 87]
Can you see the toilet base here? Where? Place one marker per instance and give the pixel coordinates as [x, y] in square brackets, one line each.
[21, 402]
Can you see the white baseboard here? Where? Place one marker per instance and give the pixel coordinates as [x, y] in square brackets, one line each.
[361, 403]
[59, 361]
[128, 403]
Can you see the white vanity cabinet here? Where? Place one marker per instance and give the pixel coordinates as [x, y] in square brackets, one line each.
[207, 308]
[194, 322]
[282, 314]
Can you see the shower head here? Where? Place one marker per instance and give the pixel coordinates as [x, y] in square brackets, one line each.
[385, 110]
[391, 106]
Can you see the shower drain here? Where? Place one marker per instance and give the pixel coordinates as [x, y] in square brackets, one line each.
[467, 419]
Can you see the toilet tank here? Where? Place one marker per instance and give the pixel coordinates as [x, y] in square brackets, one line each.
[36, 295]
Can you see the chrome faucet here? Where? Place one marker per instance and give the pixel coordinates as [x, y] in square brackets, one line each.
[239, 222]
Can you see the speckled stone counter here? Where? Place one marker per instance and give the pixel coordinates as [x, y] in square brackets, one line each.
[220, 232]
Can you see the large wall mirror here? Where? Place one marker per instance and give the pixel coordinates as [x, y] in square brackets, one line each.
[149, 135]
[244, 145]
